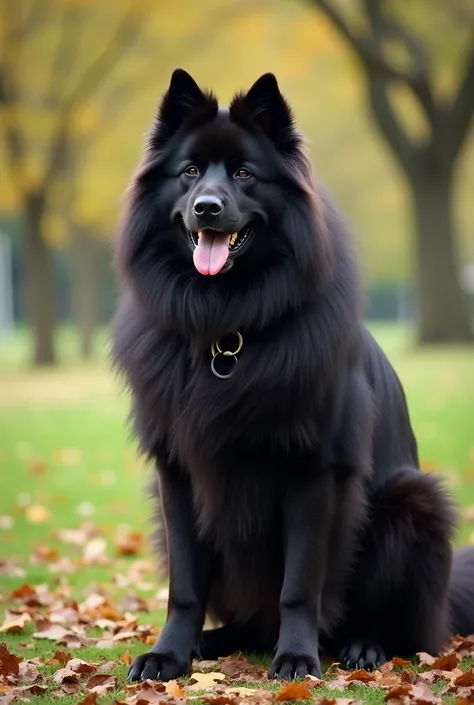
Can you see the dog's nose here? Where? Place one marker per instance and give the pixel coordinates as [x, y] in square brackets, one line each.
[208, 207]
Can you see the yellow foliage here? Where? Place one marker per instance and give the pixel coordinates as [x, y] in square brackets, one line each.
[226, 45]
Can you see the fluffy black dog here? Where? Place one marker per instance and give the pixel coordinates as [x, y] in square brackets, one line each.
[294, 509]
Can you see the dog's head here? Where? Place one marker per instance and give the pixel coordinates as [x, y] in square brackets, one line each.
[222, 176]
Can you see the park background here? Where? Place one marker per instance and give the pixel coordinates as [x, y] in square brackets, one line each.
[384, 93]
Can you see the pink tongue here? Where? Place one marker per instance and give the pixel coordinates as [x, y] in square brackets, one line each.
[212, 252]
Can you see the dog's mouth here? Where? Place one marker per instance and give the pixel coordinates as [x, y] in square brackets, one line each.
[213, 250]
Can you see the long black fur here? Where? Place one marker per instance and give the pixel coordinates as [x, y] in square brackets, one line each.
[294, 510]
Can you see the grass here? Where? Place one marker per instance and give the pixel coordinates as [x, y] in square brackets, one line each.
[64, 446]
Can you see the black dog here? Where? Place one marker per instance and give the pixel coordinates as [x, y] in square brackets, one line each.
[295, 513]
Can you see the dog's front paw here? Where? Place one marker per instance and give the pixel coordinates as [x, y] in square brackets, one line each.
[158, 667]
[290, 666]
[362, 654]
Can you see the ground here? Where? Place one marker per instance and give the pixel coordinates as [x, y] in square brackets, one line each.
[75, 521]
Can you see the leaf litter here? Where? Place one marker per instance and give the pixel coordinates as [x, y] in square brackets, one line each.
[50, 612]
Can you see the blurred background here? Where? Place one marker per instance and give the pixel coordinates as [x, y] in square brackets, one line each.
[384, 92]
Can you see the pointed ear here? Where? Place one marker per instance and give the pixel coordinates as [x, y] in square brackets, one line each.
[182, 100]
[265, 107]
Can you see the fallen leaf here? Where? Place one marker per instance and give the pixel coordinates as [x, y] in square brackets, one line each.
[65, 675]
[28, 671]
[25, 591]
[44, 554]
[467, 679]
[447, 662]
[101, 684]
[127, 658]
[6, 522]
[241, 691]
[59, 658]
[90, 699]
[37, 514]
[79, 666]
[294, 691]
[218, 700]
[360, 675]
[425, 659]
[205, 680]
[16, 625]
[397, 661]
[469, 513]
[173, 688]
[68, 456]
[36, 466]
[55, 632]
[9, 663]
[94, 551]
[129, 544]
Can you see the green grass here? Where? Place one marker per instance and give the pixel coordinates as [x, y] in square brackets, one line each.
[70, 425]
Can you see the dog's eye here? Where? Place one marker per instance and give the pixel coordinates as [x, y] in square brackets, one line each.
[242, 173]
[192, 171]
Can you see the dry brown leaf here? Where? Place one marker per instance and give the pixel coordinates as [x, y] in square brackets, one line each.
[59, 658]
[90, 699]
[425, 659]
[37, 514]
[23, 691]
[173, 688]
[15, 625]
[44, 554]
[55, 632]
[79, 666]
[28, 671]
[447, 662]
[127, 658]
[419, 694]
[218, 700]
[397, 661]
[24, 592]
[241, 691]
[337, 701]
[107, 668]
[294, 691]
[130, 544]
[101, 684]
[65, 675]
[205, 680]
[466, 679]
[360, 675]
[94, 551]
[9, 663]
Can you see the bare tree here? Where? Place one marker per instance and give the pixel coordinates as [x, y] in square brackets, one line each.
[429, 165]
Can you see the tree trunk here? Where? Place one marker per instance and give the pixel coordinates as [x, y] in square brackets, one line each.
[39, 284]
[443, 314]
[86, 263]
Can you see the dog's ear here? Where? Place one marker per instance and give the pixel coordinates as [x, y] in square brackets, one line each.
[181, 101]
[265, 107]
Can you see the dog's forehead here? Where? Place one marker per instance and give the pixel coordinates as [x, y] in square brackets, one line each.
[220, 139]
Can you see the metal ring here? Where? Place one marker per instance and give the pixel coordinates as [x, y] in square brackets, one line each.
[213, 368]
[229, 353]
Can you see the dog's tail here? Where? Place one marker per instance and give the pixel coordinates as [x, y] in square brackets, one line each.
[461, 592]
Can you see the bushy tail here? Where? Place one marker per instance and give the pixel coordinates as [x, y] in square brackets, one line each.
[461, 592]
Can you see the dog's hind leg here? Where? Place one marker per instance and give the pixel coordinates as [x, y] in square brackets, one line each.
[397, 600]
